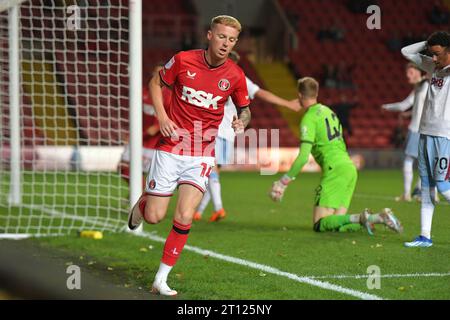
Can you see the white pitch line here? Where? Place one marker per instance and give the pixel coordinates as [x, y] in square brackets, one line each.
[246, 263]
[395, 275]
[268, 269]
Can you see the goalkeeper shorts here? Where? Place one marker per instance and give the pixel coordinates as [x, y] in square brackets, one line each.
[337, 186]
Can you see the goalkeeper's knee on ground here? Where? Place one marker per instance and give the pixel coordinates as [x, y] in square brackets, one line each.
[332, 223]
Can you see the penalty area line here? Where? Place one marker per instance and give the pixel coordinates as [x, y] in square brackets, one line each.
[268, 269]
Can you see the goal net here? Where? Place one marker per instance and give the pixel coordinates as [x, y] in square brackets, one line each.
[64, 105]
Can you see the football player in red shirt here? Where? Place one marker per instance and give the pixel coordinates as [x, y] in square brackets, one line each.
[201, 82]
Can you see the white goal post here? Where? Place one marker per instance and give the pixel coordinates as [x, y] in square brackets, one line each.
[70, 90]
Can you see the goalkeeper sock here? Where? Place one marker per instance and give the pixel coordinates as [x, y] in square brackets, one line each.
[214, 187]
[352, 227]
[175, 242]
[334, 222]
[205, 200]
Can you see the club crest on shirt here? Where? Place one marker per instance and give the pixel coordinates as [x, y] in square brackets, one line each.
[152, 184]
[224, 84]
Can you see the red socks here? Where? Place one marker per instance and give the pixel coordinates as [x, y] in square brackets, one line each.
[175, 243]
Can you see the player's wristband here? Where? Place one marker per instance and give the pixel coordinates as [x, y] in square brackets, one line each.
[285, 179]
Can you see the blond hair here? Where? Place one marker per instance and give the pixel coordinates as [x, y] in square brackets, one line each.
[227, 21]
[308, 87]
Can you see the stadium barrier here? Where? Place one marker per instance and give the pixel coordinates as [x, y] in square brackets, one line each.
[107, 158]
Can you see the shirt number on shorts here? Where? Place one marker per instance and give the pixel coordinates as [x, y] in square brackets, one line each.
[206, 171]
[442, 163]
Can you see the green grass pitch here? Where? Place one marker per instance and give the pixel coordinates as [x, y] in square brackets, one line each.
[279, 236]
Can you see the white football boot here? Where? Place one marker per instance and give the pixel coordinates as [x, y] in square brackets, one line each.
[390, 220]
[160, 287]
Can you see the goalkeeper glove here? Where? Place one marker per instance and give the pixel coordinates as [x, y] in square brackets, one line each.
[278, 188]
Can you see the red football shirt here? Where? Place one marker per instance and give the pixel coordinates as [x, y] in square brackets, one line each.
[199, 94]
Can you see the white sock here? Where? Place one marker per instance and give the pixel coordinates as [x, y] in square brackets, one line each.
[426, 211]
[205, 200]
[163, 272]
[214, 187]
[408, 174]
[446, 195]
[426, 218]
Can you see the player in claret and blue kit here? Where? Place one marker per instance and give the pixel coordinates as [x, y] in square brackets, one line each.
[434, 129]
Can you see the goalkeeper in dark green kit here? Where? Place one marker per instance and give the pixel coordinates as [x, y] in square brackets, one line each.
[321, 135]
